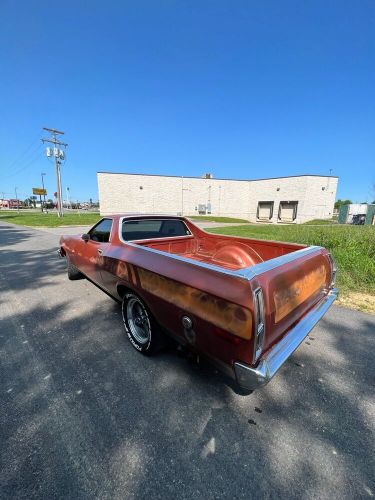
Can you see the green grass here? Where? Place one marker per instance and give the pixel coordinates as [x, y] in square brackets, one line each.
[210, 218]
[320, 222]
[353, 248]
[49, 220]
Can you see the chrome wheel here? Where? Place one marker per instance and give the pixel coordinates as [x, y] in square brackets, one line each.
[138, 321]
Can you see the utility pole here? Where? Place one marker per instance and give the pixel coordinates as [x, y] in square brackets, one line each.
[44, 195]
[18, 205]
[58, 155]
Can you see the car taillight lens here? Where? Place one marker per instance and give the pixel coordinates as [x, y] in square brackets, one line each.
[259, 325]
[333, 269]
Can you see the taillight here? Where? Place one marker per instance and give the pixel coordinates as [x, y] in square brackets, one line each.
[259, 325]
[333, 270]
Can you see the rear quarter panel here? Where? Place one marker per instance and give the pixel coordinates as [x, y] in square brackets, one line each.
[291, 290]
[219, 304]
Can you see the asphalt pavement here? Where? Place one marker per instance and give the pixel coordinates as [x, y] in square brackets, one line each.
[83, 415]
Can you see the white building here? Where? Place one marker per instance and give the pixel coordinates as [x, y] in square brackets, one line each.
[281, 199]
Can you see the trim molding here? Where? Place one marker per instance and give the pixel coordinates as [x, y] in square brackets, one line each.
[247, 273]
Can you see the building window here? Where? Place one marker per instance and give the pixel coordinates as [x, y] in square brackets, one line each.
[288, 211]
[265, 210]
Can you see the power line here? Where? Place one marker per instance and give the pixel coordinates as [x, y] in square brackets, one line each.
[14, 162]
[34, 157]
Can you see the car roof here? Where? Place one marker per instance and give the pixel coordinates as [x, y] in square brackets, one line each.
[143, 216]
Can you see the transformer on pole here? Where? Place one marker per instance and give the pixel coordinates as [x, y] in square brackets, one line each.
[59, 155]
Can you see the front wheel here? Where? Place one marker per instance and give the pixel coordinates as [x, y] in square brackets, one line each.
[140, 326]
[73, 273]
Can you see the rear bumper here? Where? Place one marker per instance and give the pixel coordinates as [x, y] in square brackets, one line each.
[253, 377]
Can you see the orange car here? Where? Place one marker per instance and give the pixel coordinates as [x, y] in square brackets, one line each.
[246, 304]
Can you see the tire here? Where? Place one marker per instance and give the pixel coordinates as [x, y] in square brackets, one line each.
[73, 273]
[140, 326]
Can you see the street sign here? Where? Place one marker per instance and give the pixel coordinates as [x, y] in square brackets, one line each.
[39, 191]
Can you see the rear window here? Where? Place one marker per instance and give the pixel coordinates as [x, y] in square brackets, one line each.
[153, 228]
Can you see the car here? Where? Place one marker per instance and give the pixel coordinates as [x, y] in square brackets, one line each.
[245, 304]
[359, 219]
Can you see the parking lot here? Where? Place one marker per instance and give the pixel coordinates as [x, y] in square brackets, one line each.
[83, 415]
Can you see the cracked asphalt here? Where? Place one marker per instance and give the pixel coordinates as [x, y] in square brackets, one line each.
[83, 415]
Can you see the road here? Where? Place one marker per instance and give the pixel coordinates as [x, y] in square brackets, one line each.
[83, 415]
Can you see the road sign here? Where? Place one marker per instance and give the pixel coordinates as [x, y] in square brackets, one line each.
[39, 191]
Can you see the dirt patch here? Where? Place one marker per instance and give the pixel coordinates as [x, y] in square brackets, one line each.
[359, 301]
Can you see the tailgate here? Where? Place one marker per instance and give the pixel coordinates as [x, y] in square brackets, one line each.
[291, 288]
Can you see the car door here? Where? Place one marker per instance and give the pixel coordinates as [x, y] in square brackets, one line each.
[95, 248]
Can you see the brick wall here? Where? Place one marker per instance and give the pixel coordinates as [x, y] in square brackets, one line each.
[131, 193]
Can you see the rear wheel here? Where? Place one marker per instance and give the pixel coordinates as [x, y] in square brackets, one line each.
[140, 326]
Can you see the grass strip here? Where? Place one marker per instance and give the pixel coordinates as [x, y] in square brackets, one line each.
[352, 247]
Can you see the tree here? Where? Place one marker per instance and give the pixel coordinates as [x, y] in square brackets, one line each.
[339, 202]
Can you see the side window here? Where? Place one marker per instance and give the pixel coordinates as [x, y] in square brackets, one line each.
[101, 231]
[172, 227]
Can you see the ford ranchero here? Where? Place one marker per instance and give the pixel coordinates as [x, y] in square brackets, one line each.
[246, 304]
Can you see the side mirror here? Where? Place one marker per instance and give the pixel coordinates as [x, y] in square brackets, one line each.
[86, 237]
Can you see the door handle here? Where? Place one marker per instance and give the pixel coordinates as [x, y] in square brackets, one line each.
[100, 251]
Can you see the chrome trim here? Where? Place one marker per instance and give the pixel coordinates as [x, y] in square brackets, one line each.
[333, 268]
[253, 377]
[187, 322]
[247, 273]
[259, 323]
[268, 265]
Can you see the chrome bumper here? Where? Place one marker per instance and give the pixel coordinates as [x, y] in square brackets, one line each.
[252, 378]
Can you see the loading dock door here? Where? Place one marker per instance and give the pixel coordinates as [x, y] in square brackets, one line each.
[265, 210]
[288, 211]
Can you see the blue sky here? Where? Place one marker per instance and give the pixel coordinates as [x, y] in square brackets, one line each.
[248, 89]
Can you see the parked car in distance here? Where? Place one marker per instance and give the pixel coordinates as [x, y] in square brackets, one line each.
[359, 219]
[246, 304]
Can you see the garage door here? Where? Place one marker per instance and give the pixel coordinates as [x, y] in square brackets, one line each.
[288, 211]
[265, 209]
